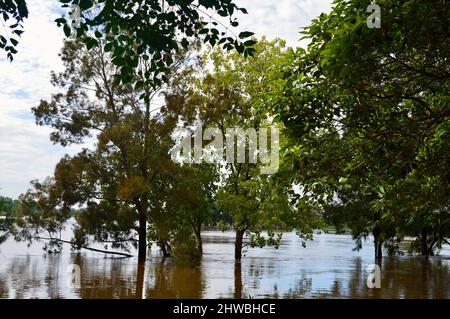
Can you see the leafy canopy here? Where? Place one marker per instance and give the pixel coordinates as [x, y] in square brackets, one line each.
[12, 14]
[136, 30]
[367, 110]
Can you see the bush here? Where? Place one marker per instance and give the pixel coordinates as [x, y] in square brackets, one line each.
[185, 250]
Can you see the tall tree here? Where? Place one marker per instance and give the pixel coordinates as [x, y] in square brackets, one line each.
[193, 199]
[121, 180]
[234, 93]
[368, 109]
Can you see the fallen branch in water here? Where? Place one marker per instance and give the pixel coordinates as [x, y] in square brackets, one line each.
[88, 248]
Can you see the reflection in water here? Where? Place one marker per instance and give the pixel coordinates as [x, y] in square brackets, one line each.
[327, 268]
[237, 280]
[169, 280]
[107, 278]
[23, 277]
[140, 280]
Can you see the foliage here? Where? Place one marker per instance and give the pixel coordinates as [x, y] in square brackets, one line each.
[121, 182]
[234, 92]
[367, 110]
[127, 187]
[12, 14]
[150, 30]
[9, 206]
[153, 30]
[193, 199]
[364, 115]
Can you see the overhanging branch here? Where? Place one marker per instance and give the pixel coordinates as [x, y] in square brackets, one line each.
[88, 248]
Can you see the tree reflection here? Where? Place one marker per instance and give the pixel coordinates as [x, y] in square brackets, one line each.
[140, 280]
[237, 280]
[24, 278]
[169, 280]
[46, 276]
[106, 278]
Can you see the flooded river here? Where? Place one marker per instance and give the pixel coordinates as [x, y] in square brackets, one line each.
[326, 268]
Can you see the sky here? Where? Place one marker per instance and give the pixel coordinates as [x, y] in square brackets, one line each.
[26, 152]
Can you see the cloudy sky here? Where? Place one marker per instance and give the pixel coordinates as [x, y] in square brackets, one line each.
[26, 152]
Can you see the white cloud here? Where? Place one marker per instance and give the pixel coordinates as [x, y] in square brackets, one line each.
[281, 18]
[26, 152]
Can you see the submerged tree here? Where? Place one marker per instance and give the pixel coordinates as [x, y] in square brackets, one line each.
[367, 110]
[233, 94]
[120, 183]
[193, 199]
[132, 30]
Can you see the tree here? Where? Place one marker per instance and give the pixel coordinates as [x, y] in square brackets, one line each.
[187, 201]
[352, 211]
[431, 230]
[192, 198]
[8, 206]
[368, 109]
[121, 182]
[234, 95]
[6, 227]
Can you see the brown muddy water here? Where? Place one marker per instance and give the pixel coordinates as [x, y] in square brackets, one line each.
[326, 268]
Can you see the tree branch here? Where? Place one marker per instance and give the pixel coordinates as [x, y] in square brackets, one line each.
[87, 248]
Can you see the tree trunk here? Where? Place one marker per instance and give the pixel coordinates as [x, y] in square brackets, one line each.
[238, 244]
[380, 250]
[423, 243]
[142, 249]
[432, 244]
[198, 236]
[378, 245]
[165, 248]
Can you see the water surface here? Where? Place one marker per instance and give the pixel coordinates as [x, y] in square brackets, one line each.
[326, 268]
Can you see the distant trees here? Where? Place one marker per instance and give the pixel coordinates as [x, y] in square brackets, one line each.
[8, 206]
[9, 210]
[6, 227]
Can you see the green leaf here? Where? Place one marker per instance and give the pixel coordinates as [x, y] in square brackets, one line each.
[67, 30]
[245, 34]
[85, 4]
[250, 43]
[60, 21]
[109, 46]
